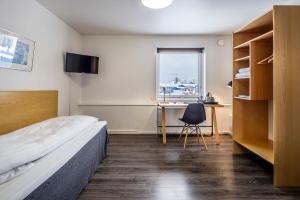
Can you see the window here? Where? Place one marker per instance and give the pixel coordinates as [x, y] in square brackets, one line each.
[179, 73]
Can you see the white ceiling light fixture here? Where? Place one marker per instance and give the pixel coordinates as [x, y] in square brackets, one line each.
[157, 4]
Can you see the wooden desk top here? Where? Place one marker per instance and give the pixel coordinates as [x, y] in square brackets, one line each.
[184, 105]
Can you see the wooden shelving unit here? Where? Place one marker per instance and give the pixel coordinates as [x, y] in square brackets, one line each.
[269, 46]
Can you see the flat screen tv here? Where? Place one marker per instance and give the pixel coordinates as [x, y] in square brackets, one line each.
[81, 63]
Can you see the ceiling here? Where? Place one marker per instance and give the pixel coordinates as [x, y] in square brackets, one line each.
[183, 17]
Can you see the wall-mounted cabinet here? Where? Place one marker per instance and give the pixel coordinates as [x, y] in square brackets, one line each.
[269, 46]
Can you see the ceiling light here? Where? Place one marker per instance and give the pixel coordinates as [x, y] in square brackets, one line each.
[157, 4]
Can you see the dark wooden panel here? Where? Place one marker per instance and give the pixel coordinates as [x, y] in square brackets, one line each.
[140, 167]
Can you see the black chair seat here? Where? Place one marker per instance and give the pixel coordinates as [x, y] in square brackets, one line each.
[189, 122]
[194, 114]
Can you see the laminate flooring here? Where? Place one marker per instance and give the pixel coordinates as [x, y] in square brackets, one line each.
[140, 167]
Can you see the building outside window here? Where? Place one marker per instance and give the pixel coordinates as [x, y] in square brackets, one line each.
[180, 73]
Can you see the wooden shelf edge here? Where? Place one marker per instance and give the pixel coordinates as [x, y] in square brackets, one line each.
[243, 45]
[261, 37]
[264, 149]
[264, 36]
[243, 58]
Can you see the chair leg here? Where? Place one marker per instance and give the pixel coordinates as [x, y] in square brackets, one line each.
[182, 131]
[186, 136]
[197, 134]
[202, 138]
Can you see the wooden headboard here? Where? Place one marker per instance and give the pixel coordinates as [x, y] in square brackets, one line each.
[22, 108]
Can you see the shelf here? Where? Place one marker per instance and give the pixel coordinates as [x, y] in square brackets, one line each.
[261, 37]
[264, 36]
[243, 58]
[262, 148]
[245, 44]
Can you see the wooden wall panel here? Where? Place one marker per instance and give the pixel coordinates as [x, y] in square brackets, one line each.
[251, 120]
[22, 108]
[261, 86]
[287, 95]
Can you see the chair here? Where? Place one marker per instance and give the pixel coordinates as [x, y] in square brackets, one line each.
[193, 116]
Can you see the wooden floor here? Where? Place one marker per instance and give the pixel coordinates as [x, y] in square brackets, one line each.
[140, 167]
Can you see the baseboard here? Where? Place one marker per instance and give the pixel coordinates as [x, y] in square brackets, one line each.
[131, 132]
[136, 132]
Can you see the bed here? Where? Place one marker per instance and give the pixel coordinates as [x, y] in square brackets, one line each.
[65, 170]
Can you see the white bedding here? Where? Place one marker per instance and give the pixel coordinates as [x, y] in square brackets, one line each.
[15, 172]
[42, 169]
[35, 141]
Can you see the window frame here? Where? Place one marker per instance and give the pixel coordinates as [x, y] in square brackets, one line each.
[201, 73]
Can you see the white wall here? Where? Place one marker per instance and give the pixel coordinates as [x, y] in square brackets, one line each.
[52, 36]
[125, 87]
[126, 84]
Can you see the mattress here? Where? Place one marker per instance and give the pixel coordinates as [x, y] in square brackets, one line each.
[37, 140]
[44, 168]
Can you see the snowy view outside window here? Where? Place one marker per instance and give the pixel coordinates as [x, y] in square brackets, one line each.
[179, 74]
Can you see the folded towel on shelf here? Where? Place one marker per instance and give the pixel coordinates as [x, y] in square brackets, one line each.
[246, 69]
[242, 96]
[242, 74]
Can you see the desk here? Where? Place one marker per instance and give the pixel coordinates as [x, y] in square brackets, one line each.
[163, 107]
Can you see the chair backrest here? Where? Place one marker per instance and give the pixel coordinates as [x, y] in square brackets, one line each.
[194, 113]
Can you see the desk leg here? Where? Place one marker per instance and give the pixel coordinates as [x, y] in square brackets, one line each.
[212, 123]
[163, 121]
[213, 109]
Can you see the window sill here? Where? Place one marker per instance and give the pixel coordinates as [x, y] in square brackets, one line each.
[177, 99]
